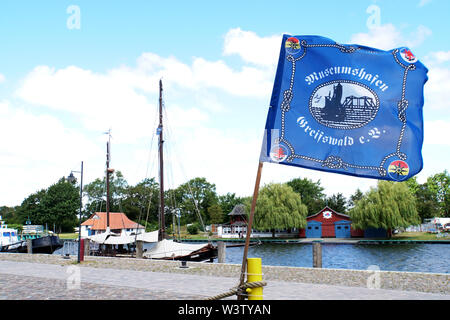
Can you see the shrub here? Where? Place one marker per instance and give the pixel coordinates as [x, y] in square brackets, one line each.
[192, 229]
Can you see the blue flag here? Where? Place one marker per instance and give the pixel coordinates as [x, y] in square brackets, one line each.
[346, 109]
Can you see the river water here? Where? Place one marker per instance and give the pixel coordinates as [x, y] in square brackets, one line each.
[416, 257]
[433, 258]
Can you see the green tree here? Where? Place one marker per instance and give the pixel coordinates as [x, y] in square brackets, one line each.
[61, 205]
[141, 200]
[337, 202]
[31, 208]
[358, 195]
[58, 205]
[227, 203]
[9, 214]
[215, 214]
[439, 185]
[311, 193]
[278, 207]
[195, 197]
[390, 205]
[426, 201]
[96, 194]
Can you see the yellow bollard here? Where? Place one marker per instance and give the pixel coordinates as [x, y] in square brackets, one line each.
[254, 274]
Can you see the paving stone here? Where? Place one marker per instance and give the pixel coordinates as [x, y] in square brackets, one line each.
[52, 277]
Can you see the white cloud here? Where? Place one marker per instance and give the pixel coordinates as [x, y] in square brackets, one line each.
[387, 37]
[251, 48]
[36, 150]
[437, 89]
[438, 86]
[2, 78]
[438, 57]
[423, 3]
[85, 92]
[436, 132]
[125, 99]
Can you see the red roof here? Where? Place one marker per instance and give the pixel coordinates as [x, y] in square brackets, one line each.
[117, 220]
[328, 208]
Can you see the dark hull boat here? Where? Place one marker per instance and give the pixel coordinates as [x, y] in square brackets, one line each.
[251, 244]
[207, 253]
[46, 244]
[171, 250]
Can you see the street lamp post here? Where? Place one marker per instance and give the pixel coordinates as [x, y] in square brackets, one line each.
[71, 178]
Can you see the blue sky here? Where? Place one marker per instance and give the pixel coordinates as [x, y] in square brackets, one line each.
[61, 88]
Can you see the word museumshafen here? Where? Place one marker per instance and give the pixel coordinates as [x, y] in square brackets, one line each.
[359, 73]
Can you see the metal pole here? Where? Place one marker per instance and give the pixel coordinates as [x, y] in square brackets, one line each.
[107, 186]
[249, 226]
[162, 230]
[81, 205]
[178, 217]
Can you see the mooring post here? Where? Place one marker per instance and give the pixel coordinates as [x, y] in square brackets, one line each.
[81, 248]
[254, 274]
[29, 246]
[221, 252]
[139, 249]
[317, 254]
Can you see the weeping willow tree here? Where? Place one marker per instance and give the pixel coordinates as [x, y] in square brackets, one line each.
[390, 205]
[278, 207]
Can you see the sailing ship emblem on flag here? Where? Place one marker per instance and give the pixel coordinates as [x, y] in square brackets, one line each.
[346, 109]
[347, 105]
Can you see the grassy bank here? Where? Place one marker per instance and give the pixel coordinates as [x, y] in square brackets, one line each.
[68, 236]
[419, 236]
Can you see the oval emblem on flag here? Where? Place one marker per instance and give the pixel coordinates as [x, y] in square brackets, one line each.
[407, 55]
[278, 153]
[343, 104]
[292, 45]
[398, 170]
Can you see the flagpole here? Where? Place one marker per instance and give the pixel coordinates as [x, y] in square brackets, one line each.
[249, 227]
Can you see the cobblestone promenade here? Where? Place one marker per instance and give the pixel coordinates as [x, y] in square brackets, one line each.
[44, 277]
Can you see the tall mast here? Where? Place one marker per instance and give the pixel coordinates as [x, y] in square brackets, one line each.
[107, 186]
[108, 172]
[162, 230]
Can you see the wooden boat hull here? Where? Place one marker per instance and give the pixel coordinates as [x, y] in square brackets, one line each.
[46, 244]
[251, 244]
[208, 252]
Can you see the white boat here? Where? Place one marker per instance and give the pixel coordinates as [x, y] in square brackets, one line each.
[8, 236]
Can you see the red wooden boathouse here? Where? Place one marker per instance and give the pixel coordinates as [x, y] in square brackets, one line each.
[328, 223]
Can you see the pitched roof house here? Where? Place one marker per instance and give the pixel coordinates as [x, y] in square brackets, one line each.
[118, 223]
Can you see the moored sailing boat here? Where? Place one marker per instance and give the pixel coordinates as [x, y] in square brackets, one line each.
[164, 248]
[169, 249]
